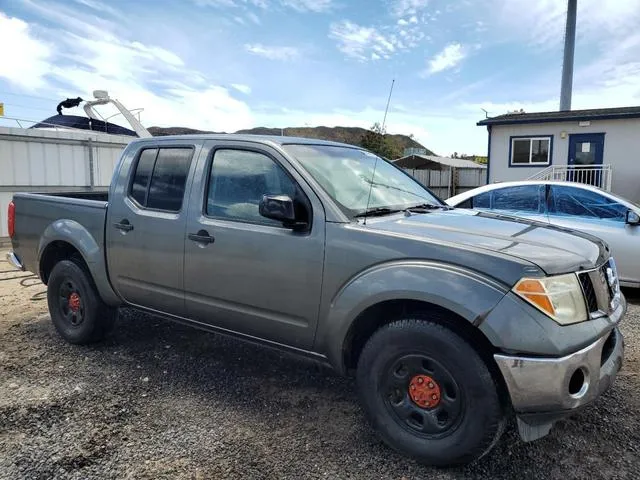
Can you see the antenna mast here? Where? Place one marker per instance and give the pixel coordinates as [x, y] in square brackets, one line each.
[375, 164]
[384, 120]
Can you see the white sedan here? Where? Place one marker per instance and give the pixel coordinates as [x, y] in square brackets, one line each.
[572, 205]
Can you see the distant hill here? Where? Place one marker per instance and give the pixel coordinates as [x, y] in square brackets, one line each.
[350, 135]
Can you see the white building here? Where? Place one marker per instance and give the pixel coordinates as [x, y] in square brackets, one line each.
[599, 147]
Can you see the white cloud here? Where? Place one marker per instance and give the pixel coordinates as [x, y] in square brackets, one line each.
[316, 6]
[272, 52]
[448, 58]
[309, 5]
[76, 64]
[246, 89]
[357, 41]
[360, 41]
[215, 3]
[544, 22]
[254, 18]
[25, 58]
[231, 3]
[98, 6]
[400, 8]
[73, 20]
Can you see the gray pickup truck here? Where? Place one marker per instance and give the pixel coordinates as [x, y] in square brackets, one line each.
[451, 320]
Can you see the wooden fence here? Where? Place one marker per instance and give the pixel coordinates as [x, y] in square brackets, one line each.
[449, 182]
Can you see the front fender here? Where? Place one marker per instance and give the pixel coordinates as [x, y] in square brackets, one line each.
[73, 233]
[464, 292]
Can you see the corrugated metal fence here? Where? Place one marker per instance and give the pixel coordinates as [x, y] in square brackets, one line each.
[449, 182]
[48, 161]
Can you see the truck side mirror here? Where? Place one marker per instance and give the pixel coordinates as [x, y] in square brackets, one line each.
[632, 218]
[282, 209]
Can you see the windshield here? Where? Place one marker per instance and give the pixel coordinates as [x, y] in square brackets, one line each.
[346, 175]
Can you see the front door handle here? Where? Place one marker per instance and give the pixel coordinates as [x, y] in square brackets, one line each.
[201, 237]
[124, 225]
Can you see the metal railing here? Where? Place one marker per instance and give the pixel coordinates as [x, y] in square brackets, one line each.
[596, 175]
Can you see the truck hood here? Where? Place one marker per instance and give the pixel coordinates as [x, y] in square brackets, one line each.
[553, 249]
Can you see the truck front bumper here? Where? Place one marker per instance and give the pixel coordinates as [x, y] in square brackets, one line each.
[543, 390]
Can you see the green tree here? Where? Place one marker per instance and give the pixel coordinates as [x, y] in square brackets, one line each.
[377, 141]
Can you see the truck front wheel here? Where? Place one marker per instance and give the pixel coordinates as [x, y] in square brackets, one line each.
[77, 312]
[429, 394]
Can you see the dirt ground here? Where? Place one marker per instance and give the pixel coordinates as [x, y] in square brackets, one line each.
[160, 400]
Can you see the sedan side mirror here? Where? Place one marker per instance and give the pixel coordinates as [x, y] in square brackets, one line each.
[632, 218]
[280, 208]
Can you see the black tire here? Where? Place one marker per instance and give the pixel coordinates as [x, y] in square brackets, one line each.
[86, 321]
[466, 419]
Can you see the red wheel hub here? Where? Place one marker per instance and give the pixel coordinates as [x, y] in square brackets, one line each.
[424, 391]
[74, 302]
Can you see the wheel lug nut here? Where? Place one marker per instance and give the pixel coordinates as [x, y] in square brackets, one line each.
[430, 385]
[434, 396]
[420, 380]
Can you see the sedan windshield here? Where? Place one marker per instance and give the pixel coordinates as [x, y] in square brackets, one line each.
[347, 175]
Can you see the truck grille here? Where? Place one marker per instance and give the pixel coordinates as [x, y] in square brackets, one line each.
[601, 289]
[589, 292]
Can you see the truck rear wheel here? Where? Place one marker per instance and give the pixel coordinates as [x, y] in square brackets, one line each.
[429, 394]
[77, 312]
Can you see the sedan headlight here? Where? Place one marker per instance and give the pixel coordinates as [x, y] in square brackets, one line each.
[560, 297]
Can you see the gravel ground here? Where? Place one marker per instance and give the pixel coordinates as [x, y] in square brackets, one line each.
[160, 400]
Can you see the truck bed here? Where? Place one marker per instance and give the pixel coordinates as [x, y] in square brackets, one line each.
[98, 195]
[36, 212]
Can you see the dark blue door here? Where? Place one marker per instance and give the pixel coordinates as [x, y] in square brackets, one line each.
[585, 158]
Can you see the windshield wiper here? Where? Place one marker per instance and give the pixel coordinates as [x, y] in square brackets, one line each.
[376, 212]
[422, 207]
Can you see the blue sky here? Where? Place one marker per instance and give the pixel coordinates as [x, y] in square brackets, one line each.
[229, 64]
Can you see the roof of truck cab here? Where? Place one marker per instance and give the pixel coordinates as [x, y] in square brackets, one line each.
[264, 139]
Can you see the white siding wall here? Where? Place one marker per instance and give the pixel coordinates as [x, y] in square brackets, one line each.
[621, 150]
[42, 160]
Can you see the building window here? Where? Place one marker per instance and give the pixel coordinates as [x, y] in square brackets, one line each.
[530, 151]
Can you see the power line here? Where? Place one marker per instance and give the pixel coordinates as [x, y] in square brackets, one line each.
[52, 110]
[28, 96]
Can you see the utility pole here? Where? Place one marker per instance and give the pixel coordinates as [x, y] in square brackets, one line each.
[569, 49]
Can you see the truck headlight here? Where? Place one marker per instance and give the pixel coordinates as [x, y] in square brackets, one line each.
[560, 297]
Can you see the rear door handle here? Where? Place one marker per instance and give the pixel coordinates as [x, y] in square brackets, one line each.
[124, 225]
[201, 237]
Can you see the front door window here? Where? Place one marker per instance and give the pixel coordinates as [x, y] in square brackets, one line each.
[586, 149]
[585, 158]
[585, 153]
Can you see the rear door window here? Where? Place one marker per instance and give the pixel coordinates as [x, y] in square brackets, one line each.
[141, 178]
[160, 178]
